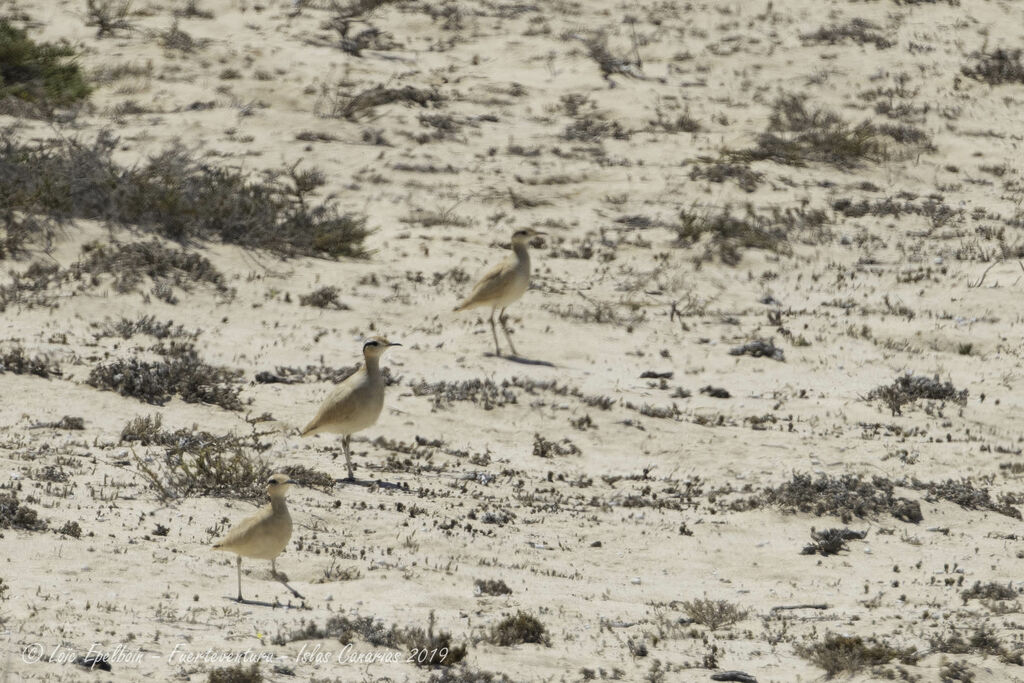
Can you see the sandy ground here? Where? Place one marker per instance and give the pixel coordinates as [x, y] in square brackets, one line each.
[603, 546]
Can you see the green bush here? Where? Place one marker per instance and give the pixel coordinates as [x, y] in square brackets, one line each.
[41, 73]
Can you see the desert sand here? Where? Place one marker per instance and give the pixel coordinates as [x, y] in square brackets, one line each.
[617, 509]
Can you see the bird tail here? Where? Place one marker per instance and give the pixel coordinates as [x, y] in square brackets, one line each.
[308, 429]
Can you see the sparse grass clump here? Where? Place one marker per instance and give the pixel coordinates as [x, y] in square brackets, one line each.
[996, 67]
[129, 264]
[126, 328]
[426, 647]
[846, 497]
[860, 31]
[831, 541]
[981, 641]
[483, 392]
[15, 515]
[759, 348]
[197, 463]
[182, 373]
[721, 170]
[108, 16]
[521, 628]
[838, 654]
[798, 134]
[968, 496]
[176, 196]
[908, 388]
[989, 591]
[310, 478]
[44, 75]
[72, 529]
[464, 674]
[491, 587]
[325, 297]
[714, 614]
[343, 104]
[727, 234]
[548, 449]
[16, 361]
[240, 673]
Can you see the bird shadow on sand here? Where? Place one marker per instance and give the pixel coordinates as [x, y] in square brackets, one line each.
[521, 360]
[368, 483]
[261, 603]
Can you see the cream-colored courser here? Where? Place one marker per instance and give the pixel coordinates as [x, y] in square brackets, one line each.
[264, 535]
[356, 403]
[504, 284]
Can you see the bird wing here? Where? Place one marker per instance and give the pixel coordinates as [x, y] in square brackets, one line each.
[244, 530]
[490, 285]
[340, 404]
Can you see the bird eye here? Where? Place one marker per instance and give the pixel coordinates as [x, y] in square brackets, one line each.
[371, 343]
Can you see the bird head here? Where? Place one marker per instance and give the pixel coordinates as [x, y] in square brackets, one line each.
[374, 347]
[278, 484]
[524, 235]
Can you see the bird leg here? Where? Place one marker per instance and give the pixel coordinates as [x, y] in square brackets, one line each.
[239, 563]
[348, 456]
[502, 318]
[273, 571]
[497, 349]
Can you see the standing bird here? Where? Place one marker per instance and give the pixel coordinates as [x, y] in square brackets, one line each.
[264, 535]
[503, 284]
[355, 404]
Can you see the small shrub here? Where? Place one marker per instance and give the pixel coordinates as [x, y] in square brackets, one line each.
[858, 30]
[714, 614]
[71, 529]
[989, 591]
[325, 297]
[967, 495]
[908, 388]
[831, 541]
[131, 263]
[345, 105]
[759, 348]
[521, 628]
[14, 515]
[491, 587]
[436, 649]
[466, 674]
[996, 67]
[43, 74]
[16, 361]
[309, 477]
[797, 134]
[182, 374]
[175, 196]
[846, 497]
[728, 234]
[722, 170]
[200, 464]
[108, 16]
[549, 449]
[236, 674]
[850, 654]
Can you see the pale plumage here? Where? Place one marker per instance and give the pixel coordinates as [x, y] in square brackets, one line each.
[356, 403]
[504, 284]
[265, 535]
